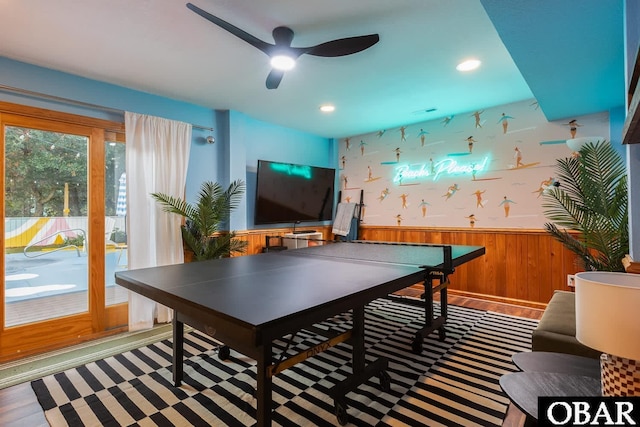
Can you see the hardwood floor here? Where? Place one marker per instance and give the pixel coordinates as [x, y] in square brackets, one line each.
[19, 407]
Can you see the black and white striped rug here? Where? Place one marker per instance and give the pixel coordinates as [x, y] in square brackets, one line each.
[454, 382]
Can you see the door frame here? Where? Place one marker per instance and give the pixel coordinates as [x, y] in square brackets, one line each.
[100, 320]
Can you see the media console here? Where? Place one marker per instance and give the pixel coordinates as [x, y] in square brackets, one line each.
[301, 239]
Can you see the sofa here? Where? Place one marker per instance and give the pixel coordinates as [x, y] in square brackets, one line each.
[556, 331]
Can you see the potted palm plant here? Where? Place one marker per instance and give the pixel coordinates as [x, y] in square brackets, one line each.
[591, 200]
[202, 232]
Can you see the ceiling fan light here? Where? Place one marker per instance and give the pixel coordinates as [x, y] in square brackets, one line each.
[282, 62]
[327, 108]
[468, 65]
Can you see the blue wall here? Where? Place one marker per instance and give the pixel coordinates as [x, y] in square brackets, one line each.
[632, 42]
[240, 139]
[253, 140]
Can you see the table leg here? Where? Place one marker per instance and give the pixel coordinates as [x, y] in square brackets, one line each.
[361, 371]
[264, 387]
[432, 323]
[428, 302]
[444, 307]
[357, 340]
[178, 350]
[444, 312]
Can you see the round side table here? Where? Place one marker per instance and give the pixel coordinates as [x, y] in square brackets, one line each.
[524, 388]
[559, 363]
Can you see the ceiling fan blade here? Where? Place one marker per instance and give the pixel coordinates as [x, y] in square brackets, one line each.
[274, 78]
[342, 47]
[252, 40]
[282, 36]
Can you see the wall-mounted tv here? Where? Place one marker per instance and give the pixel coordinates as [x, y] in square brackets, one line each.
[290, 193]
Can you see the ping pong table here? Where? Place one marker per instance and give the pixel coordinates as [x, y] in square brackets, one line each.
[247, 302]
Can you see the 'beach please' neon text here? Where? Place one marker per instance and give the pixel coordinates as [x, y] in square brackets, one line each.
[435, 170]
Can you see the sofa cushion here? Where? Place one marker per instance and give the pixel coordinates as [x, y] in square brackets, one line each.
[560, 315]
[556, 331]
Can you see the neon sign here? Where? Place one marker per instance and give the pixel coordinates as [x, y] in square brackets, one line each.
[296, 170]
[435, 170]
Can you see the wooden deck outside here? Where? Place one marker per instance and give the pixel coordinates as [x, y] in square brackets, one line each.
[38, 309]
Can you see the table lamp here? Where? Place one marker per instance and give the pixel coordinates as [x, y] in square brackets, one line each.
[608, 320]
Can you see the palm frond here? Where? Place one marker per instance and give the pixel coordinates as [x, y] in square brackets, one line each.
[592, 200]
[202, 231]
[175, 205]
[572, 243]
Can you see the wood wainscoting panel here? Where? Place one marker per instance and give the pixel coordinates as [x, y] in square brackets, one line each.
[524, 266]
[516, 266]
[256, 239]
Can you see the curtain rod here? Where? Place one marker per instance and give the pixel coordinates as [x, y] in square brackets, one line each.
[74, 102]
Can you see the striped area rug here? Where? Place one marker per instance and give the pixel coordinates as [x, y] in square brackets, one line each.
[453, 382]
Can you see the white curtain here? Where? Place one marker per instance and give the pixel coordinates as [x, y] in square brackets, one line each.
[157, 153]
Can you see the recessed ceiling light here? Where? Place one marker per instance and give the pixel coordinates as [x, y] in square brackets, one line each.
[468, 65]
[327, 108]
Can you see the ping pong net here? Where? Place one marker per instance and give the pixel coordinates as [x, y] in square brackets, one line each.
[434, 257]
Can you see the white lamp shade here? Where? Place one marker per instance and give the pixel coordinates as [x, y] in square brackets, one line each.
[576, 144]
[608, 312]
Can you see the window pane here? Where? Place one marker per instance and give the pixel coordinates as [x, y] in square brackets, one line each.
[45, 225]
[116, 211]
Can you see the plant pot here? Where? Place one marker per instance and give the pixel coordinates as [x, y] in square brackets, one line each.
[188, 254]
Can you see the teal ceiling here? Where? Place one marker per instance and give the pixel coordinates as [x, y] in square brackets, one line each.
[570, 53]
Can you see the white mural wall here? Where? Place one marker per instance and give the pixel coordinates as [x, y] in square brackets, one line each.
[486, 168]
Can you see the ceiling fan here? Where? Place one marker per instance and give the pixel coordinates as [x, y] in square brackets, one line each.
[282, 54]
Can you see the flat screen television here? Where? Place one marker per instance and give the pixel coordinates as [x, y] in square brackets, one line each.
[290, 193]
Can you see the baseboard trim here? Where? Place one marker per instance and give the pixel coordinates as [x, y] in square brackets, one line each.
[32, 367]
[501, 300]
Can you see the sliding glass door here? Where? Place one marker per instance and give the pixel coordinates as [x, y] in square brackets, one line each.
[64, 236]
